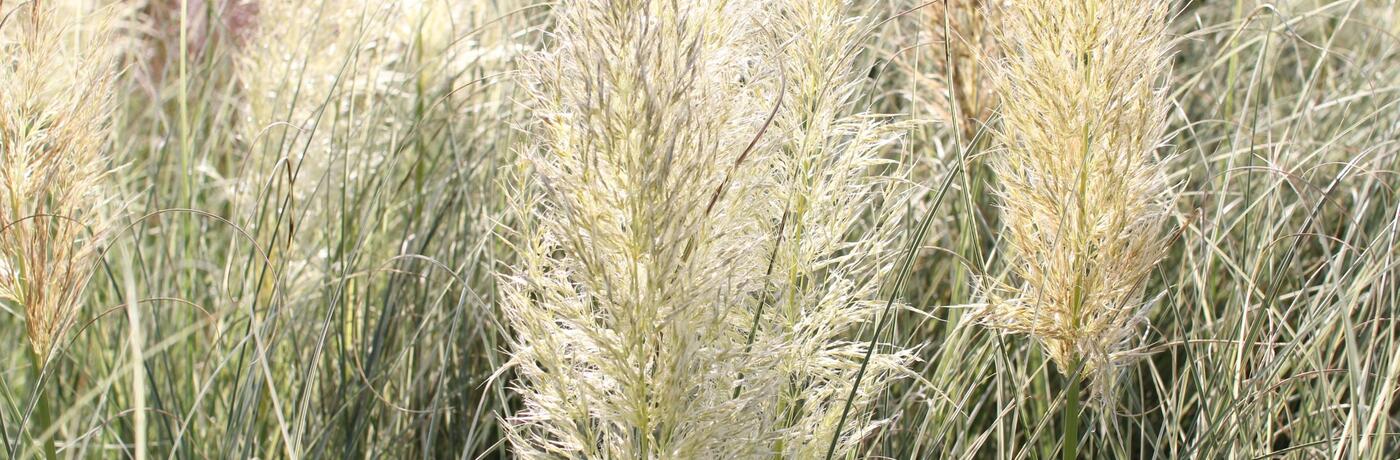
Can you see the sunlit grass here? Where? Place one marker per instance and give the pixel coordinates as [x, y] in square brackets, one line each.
[307, 215]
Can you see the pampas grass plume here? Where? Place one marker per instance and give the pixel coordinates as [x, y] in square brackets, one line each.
[55, 93]
[1083, 194]
[695, 267]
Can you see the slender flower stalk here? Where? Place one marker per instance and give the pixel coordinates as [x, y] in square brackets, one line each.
[1083, 194]
[55, 93]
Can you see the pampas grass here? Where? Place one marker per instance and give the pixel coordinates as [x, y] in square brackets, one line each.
[636, 275]
[1083, 195]
[727, 228]
[55, 99]
[55, 93]
[837, 239]
[697, 269]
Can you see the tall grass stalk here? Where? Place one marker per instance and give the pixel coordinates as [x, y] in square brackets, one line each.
[1082, 192]
[55, 93]
[1069, 444]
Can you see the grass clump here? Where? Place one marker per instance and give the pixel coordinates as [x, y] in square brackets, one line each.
[313, 229]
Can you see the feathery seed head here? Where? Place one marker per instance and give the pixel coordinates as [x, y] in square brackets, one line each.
[627, 301]
[689, 288]
[1082, 195]
[836, 240]
[55, 92]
